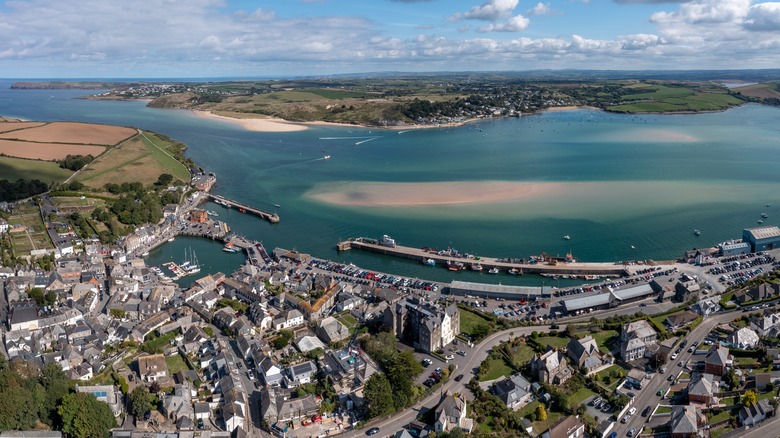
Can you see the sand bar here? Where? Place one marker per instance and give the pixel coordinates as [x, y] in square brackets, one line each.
[373, 194]
[255, 124]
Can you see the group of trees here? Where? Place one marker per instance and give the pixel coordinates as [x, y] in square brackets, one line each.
[30, 397]
[41, 297]
[284, 338]
[394, 389]
[75, 162]
[22, 188]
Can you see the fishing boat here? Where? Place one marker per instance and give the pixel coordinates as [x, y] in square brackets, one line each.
[493, 271]
[515, 271]
[229, 247]
[696, 233]
[567, 237]
[476, 267]
[429, 262]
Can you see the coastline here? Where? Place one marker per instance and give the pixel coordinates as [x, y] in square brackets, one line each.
[254, 123]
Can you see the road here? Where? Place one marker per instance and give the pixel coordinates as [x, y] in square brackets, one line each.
[467, 366]
[648, 395]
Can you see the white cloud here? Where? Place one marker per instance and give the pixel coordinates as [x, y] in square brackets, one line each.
[540, 9]
[705, 11]
[491, 10]
[764, 17]
[518, 23]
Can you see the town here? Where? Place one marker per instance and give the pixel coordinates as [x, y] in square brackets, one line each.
[293, 345]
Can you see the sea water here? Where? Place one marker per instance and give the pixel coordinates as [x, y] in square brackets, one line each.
[640, 184]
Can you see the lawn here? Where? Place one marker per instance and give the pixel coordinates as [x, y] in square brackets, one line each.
[153, 344]
[663, 410]
[580, 395]
[722, 415]
[553, 341]
[175, 364]
[348, 320]
[522, 354]
[601, 337]
[49, 172]
[540, 426]
[469, 320]
[497, 368]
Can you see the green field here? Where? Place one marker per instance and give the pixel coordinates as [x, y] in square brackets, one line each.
[663, 98]
[469, 320]
[497, 368]
[175, 364]
[142, 158]
[554, 341]
[13, 169]
[339, 94]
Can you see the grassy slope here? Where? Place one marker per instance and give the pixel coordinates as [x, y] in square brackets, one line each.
[13, 169]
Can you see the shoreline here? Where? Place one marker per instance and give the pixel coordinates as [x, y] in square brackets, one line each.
[253, 123]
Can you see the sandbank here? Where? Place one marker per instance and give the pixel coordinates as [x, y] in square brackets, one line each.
[255, 124]
[374, 194]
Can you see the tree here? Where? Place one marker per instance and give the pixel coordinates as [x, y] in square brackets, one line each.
[140, 401]
[83, 416]
[164, 180]
[37, 295]
[57, 386]
[379, 396]
[541, 413]
[748, 398]
[730, 377]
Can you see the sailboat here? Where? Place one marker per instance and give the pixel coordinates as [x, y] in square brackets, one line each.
[190, 265]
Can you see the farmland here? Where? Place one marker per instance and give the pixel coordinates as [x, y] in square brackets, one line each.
[46, 151]
[72, 133]
[654, 98]
[13, 169]
[141, 159]
[767, 90]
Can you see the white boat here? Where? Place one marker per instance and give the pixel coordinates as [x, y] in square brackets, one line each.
[515, 271]
[493, 271]
[429, 262]
[760, 221]
[170, 239]
[633, 247]
[764, 215]
[567, 237]
[476, 267]
[326, 157]
[697, 232]
[146, 253]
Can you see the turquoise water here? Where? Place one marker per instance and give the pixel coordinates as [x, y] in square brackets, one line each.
[644, 181]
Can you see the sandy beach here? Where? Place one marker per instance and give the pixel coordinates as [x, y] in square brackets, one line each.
[255, 124]
[434, 193]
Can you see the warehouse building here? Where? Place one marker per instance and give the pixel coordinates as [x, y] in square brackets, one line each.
[483, 290]
[762, 238]
[607, 300]
[733, 248]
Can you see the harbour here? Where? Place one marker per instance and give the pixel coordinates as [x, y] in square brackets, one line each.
[543, 267]
[243, 208]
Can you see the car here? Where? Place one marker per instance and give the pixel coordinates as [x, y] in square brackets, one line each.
[670, 378]
[632, 411]
[660, 392]
[681, 363]
[613, 435]
[625, 419]
[372, 431]
[646, 411]
[631, 431]
[674, 356]
[201, 425]
[462, 353]
[662, 370]
[459, 377]
[554, 326]
[450, 357]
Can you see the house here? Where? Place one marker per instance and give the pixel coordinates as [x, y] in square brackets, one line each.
[700, 389]
[635, 377]
[202, 411]
[550, 367]
[744, 339]
[762, 380]
[567, 427]
[428, 327]
[272, 374]
[349, 301]
[198, 216]
[451, 413]
[514, 391]
[760, 292]
[308, 343]
[288, 319]
[259, 314]
[686, 290]
[300, 374]
[756, 413]
[717, 360]
[179, 403]
[766, 325]
[585, 353]
[635, 337]
[679, 320]
[152, 368]
[331, 330]
[686, 422]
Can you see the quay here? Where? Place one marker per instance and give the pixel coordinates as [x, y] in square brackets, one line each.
[255, 250]
[561, 268]
[270, 217]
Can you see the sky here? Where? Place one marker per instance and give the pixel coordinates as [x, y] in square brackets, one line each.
[243, 38]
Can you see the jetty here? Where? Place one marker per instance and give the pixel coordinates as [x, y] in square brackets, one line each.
[243, 208]
[538, 267]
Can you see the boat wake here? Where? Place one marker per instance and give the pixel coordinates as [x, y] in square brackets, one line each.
[365, 141]
[342, 138]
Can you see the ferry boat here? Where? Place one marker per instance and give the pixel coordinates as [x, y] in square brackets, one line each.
[476, 267]
[515, 271]
[493, 271]
[567, 237]
[229, 247]
[429, 262]
[697, 232]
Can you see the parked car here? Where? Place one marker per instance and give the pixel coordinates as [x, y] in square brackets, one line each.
[450, 357]
[372, 431]
[631, 431]
[459, 377]
[646, 411]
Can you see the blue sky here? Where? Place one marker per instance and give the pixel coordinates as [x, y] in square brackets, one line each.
[208, 38]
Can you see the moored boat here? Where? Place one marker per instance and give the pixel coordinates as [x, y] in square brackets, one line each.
[697, 232]
[429, 262]
[476, 267]
[567, 237]
[229, 247]
[493, 271]
[516, 271]
[764, 215]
